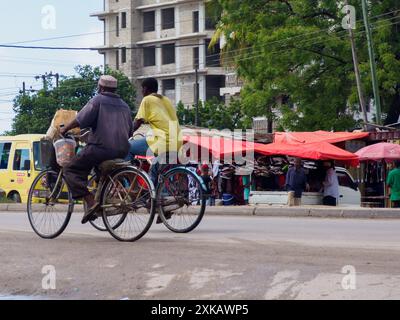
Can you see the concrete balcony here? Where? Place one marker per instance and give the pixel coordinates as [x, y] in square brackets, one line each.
[103, 14]
[163, 4]
[198, 35]
[105, 48]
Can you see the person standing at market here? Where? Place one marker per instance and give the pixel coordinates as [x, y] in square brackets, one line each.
[159, 113]
[110, 119]
[330, 185]
[393, 181]
[208, 182]
[296, 181]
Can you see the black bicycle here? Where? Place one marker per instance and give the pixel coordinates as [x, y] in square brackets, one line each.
[180, 197]
[125, 193]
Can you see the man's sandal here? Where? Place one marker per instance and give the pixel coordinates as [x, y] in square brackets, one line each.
[91, 214]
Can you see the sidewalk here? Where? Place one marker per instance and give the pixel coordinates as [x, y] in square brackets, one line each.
[274, 211]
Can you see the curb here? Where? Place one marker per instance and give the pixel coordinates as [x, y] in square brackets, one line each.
[278, 211]
[326, 213]
[281, 212]
[231, 211]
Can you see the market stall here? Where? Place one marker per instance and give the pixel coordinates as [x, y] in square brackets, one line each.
[268, 162]
[376, 159]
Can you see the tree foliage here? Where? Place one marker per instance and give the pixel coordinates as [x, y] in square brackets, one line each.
[296, 61]
[214, 114]
[34, 112]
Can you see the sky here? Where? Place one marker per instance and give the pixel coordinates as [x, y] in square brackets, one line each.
[23, 20]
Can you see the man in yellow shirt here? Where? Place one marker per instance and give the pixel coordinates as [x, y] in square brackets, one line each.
[166, 137]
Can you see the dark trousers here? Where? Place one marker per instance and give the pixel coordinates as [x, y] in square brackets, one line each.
[329, 201]
[396, 204]
[77, 172]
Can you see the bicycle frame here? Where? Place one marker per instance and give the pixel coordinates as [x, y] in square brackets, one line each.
[59, 178]
[162, 172]
[202, 184]
[114, 172]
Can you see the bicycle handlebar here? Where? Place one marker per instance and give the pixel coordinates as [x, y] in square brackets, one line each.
[75, 136]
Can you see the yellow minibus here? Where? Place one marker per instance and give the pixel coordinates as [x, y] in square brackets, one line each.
[20, 162]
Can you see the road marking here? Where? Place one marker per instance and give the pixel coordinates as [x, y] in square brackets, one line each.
[282, 283]
[158, 282]
[200, 277]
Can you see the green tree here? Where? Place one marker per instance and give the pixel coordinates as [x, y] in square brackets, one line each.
[214, 114]
[295, 58]
[34, 112]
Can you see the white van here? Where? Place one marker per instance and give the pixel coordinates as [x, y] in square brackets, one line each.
[349, 193]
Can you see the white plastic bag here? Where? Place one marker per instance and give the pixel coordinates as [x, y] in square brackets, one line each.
[65, 151]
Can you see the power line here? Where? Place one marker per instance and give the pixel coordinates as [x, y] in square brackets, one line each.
[95, 49]
[183, 45]
[186, 45]
[31, 62]
[18, 58]
[43, 47]
[312, 42]
[237, 51]
[95, 33]
[16, 75]
[252, 56]
[38, 59]
[155, 25]
[2, 89]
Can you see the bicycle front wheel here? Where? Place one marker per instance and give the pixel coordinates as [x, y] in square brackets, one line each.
[181, 200]
[127, 198]
[50, 204]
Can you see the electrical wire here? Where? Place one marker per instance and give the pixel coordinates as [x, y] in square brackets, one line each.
[138, 48]
[248, 57]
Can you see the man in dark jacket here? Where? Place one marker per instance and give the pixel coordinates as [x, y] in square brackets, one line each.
[110, 121]
[296, 181]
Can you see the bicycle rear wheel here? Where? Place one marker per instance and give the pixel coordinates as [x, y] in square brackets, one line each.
[181, 200]
[50, 204]
[127, 198]
[98, 224]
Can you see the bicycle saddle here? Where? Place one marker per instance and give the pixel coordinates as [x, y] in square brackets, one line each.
[110, 165]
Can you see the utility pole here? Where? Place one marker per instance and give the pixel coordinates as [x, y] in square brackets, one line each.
[197, 121]
[46, 76]
[44, 82]
[375, 86]
[357, 72]
[23, 91]
[57, 76]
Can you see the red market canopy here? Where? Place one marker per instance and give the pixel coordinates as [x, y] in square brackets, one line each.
[317, 136]
[380, 151]
[312, 151]
[219, 146]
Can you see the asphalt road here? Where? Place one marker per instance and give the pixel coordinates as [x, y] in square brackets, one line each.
[225, 258]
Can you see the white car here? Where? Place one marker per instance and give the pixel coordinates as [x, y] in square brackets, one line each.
[349, 193]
